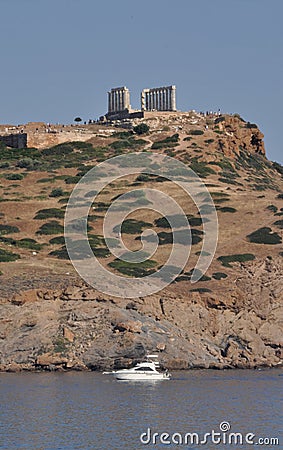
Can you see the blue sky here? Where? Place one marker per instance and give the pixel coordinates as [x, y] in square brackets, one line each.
[60, 57]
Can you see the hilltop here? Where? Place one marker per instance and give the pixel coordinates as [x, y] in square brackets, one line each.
[230, 318]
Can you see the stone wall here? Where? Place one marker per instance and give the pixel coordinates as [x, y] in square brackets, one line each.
[15, 140]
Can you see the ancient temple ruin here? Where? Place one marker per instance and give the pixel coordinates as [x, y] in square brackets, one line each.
[159, 99]
[154, 99]
[119, 100]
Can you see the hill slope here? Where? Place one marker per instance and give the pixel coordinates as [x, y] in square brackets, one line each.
[229, 318]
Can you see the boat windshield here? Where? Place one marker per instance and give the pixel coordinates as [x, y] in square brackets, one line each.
[144, 369]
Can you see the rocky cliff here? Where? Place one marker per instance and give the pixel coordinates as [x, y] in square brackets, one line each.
[79, 328]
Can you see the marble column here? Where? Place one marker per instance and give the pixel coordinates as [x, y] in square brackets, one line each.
[173, 97]
[167, 100]
[109, 102]
[119, 100]
[123, 100]
[159, 100]
[115, 100]
[164, 99]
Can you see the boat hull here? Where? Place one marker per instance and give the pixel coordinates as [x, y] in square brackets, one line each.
[141, 376]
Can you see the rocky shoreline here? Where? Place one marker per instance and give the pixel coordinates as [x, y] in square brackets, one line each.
[77, 328]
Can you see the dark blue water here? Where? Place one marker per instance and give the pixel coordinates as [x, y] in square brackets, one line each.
[94, 411]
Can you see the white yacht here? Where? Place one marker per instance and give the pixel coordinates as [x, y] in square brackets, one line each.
[147, 370]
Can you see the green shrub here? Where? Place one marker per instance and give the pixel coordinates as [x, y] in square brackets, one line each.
[221, 200]
[229, 181]
[206, 208]
[57, 240]
[170, 141]
[227, 209]
[63, 200]
[278, 167]
[134, 269]
[196, 132]
[188, 138]
[50, 213]
[72, 180]
[132, 226]
[197, 221]
[226, 165]
[197, 273]
[60, 254]
[8, 229]
[121, 145]
[52, 227]
[57, 192]
[227, 260]
[219, 275]
[46, 180]
[272, 208]
[60, 345]
[219, 119]
[251, 125]
[28, 163]
[144, 177]
[209, 141]
[163, 222]
[264, 235]
[29, 243]
[142, 128]
[122, 134]
[182, 278]
[96, 240]
[180, 237]
[58, 150]
[63, 254]
[201, 168]
[101, 252]
[14, 176]
[279, 224]
[280, 196]
[259, 187]
[4, 165]
[202, 253]
[6, 256]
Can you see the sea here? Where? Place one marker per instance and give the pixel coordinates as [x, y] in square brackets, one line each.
[88, 410]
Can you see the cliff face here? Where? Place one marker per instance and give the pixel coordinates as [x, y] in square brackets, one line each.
[49, 319]
[78, 328]
[239, 135]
